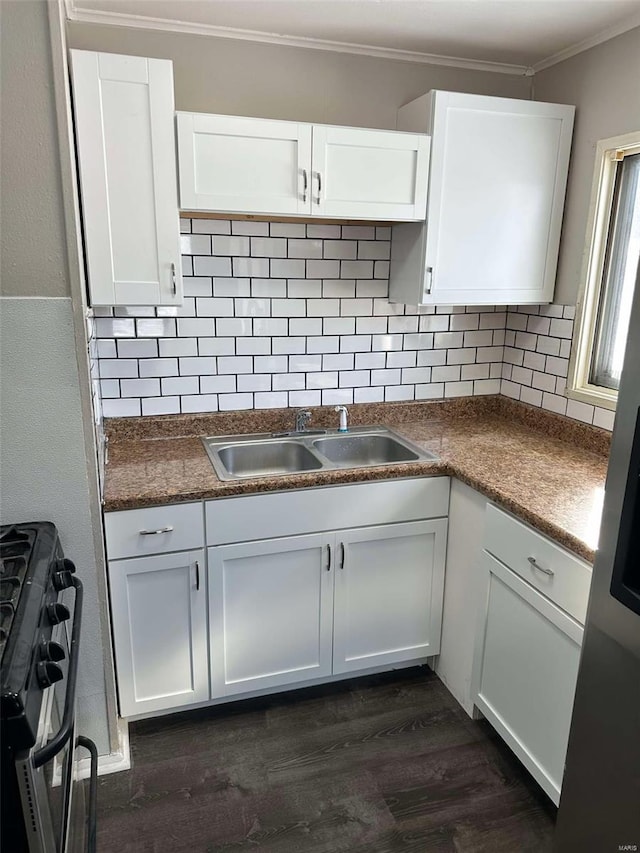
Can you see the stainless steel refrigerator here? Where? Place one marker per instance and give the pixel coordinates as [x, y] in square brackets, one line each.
[600, 802]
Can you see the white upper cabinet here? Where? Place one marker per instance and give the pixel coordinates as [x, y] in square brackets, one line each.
[123, 111]
[497, 182]
[369, 174]
[230, 163]
[255, 166]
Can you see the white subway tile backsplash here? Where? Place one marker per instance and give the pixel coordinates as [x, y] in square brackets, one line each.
[179, 385]
[217, 346]
[252, 229]
[211, 266]
[303, 249]
[287, 229]
[140, 387]
[269, 247]
[249, 267]
[305, 319]
[604, 418]
[158, 367]
[209, 226]
[217, 384]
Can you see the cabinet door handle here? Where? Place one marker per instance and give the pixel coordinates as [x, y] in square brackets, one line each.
[319, 176]
[342, 555]
[428, 279]
[197, 576]
[305, 184]
[174, 287]
[167, 529]
[329, 555]
[536, 565]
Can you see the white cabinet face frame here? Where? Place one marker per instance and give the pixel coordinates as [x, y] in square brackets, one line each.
[245, 165]
[159, 619]
[496, 196]
[123, 108]
[525, 671]
[270, 613]
[389, 584]
[369, 174]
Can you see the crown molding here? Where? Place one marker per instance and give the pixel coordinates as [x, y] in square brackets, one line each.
[579, 47]
[119, 19]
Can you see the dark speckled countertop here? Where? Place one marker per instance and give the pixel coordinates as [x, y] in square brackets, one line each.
[545, 469]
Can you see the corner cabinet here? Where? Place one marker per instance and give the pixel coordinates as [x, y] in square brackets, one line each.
[497, 181]
[234, 164]
[528, 644]
[125, 145]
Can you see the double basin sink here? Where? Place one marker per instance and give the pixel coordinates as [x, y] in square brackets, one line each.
[272, 455]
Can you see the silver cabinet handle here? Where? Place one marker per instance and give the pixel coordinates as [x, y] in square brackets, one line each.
[319, 177]
[429, 279]
[305, 184]
[155, 532]
[342, 555]
[173, 279]
[329, 553]
[535, 565]
[197, 576]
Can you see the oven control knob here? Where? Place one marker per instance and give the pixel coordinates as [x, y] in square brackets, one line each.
[52, 651]
[48, 673]
[57, 613]
[62, 575]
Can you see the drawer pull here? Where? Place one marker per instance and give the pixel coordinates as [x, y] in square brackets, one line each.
[535, 565]
[155, 532]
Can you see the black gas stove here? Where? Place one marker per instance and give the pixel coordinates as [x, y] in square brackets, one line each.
[40, 619]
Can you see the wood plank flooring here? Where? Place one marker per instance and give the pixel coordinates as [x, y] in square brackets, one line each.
[383, 764]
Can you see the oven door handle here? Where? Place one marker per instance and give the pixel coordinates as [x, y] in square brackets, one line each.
[58, 741]
[89, 745]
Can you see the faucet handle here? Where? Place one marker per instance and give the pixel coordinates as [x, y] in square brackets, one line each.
[343, 417]
[303, 416]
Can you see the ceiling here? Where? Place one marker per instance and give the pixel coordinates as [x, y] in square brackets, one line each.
[520, 34]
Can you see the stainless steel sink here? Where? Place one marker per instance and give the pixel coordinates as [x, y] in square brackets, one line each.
[235, 457]
[267, 458]
[370, 449]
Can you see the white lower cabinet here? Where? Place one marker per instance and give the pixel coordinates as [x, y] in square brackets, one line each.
[388, 594]
[159, 619]
[284, 611]
[528, 648]
[271, 607]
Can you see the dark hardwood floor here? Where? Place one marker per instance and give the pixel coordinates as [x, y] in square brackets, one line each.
[376, 765]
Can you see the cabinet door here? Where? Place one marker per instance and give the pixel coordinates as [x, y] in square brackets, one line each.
[496, 194]
[159, 619]
[125, 141]
[525, 672]
[369, 174]
[270, 616]
[388, 594]
[248, 165]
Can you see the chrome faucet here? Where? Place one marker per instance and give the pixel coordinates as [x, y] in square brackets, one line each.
[343, 418]
[302, 419]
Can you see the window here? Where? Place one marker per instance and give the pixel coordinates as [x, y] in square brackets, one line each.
[613, 252]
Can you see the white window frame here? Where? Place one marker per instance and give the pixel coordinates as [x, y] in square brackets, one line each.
[609, 152]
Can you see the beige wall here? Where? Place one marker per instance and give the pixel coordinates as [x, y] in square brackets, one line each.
[271, 81]
[32, 248]
[604, 84]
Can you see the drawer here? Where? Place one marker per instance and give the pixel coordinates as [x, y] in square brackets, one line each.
[294, 513]
[566, 580]
[154, 530]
